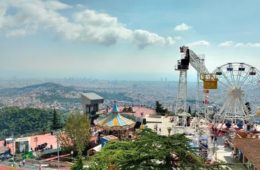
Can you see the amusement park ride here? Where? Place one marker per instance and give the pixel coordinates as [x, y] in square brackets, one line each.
[231, 85]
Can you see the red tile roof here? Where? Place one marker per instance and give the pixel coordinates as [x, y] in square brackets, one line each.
[251, 149]
[138, 111]
[45, 138]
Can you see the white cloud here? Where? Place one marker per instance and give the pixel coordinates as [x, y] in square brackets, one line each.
[79, 6]
[182, 27]
[100, 27]
[144, 38]
[30, 16]
[17, 33]
[239, 44]
[56, 5]
[178, 38]
[227, 44]
[201, 43]
[257, 45]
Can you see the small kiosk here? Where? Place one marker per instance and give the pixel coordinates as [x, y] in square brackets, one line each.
[90, 103]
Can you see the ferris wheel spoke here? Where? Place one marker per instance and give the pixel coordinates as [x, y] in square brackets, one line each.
[245, 79]
[227, 79]
[232, 77]
[248, 82]
[252, 83]
[238, 77]
[223, 84]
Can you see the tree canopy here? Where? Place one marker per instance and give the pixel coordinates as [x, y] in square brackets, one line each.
[56, 122]
[17, 121]
[77, 131]
[149, 151]
[159, 109]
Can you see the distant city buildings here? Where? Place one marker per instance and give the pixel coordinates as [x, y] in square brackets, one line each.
[66, 96]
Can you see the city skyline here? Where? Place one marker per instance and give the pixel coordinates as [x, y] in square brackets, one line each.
[134, 40]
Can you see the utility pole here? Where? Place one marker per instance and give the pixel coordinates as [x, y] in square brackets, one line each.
[13, 148]
[57, 133]
[58, 146]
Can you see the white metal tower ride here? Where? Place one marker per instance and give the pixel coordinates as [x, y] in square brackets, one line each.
[183, 65]
[181, 104]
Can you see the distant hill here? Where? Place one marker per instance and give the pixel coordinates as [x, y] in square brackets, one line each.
[48, 86]
[47, 95]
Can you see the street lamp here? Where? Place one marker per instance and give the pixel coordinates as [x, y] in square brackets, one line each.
[71, 153]
[13, 149]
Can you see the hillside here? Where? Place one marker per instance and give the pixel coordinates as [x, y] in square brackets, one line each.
[16, 121]
[53, 95]
[51, 87]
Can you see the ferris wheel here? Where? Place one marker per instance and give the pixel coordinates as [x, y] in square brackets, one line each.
[238, 93]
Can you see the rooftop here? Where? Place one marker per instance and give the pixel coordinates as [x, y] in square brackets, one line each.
[250, 147]
[92, 96]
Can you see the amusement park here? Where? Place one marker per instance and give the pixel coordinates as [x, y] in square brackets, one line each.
[223, 132]
[225, 129]
[227, 106]
[129, 85]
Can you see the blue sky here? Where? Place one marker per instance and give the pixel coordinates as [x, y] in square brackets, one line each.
[130, 39]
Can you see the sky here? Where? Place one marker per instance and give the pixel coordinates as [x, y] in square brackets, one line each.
[124, 40]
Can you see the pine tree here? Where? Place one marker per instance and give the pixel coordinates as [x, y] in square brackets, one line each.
[173, 152]
[159, 109]
[55, 121]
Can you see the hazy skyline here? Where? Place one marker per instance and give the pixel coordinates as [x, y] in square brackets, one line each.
[131, 39]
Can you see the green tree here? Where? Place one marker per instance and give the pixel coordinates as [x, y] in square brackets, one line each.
[56, 123]
[149, 151]
[77, 132]
[21, 121]
[159, 109]
[189, 110]
[78, 164]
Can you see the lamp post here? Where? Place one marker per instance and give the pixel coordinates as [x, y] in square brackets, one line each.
[71, 153]
[13, 148]
[57, 133]
[58, 146]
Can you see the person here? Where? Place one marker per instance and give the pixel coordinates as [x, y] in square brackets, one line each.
[155, 127]
[23, 162]
[212, 138]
